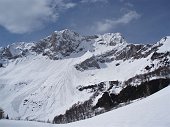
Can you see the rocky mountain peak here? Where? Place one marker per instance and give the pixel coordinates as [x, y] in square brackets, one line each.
[163, 45]
[68, 32]
[59, 44]
[112, 39]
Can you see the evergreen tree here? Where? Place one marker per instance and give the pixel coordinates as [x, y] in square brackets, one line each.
[7, 117]
[1, 113]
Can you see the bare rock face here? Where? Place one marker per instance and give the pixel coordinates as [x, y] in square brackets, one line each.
[16, 50]
[88, 63]
[60, 44]
[6, 53]
[111, 39]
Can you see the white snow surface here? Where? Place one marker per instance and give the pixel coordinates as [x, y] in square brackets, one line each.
[152, 111]
[49, 87]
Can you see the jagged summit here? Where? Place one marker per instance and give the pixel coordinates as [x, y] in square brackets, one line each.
[165, 41]
[112, 38]
[67, 31]
[165, 44]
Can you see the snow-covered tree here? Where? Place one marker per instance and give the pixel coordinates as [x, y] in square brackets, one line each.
[1, 113]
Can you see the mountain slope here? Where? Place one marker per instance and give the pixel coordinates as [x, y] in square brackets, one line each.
[44, 79]
[152, 111]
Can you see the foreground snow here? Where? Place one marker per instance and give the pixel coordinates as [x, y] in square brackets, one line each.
[152, 111]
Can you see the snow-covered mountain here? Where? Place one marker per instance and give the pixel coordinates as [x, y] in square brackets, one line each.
[67, 72]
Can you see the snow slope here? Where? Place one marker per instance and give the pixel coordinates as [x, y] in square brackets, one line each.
[152, 111]
[40, 88]
[45, 86]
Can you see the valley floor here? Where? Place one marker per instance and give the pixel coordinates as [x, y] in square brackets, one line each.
[152, 111]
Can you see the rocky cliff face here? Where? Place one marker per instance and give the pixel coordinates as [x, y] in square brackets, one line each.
[75, 77]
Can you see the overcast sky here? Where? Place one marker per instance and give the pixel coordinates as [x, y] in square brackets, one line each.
[139, 21]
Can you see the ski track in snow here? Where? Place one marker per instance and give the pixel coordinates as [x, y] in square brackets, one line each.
[56, 76]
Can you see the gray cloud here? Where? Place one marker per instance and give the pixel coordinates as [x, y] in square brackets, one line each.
[93, 1]
[23, 16]
[107, 24]
[128, 4]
